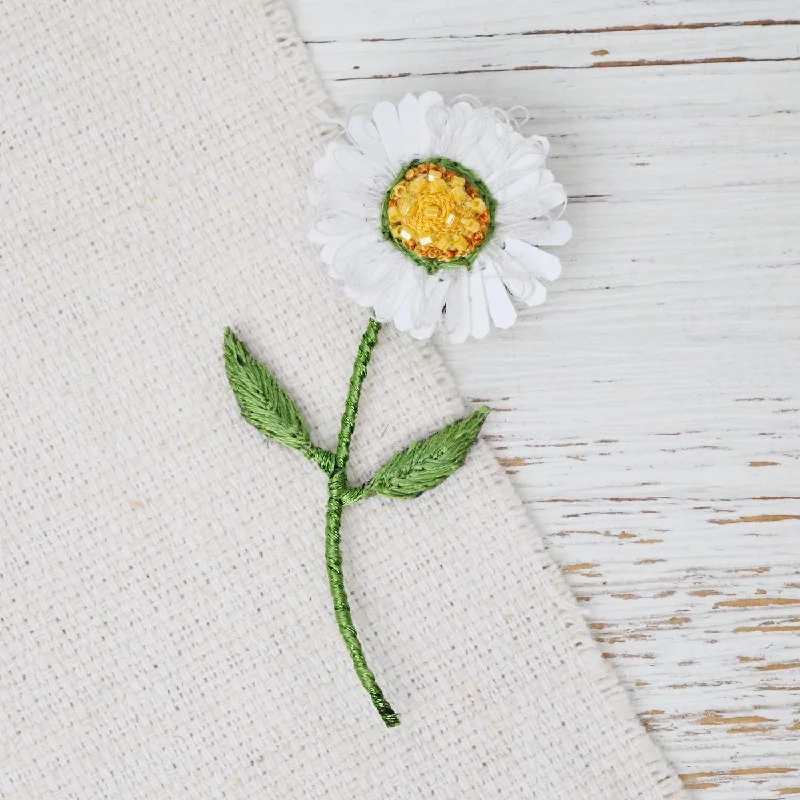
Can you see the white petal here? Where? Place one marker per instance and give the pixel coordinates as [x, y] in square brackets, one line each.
[362, 131]
[462, 124]
[528, 161]
[355, 164]
[457, 320]
[413, 310]
[323, 166]
[390, 300]
[343, 160]
[403, 316]
[376, 272]
[537, 296]
[485, 150]
[530, 292]
[425, 140]
[479, 314]
[519, 188]
[542, 143]
[333, 184]
[353, 254]
[422, 333]
[497, 144]
[388, 125]
[452, 131]
[462, 111]
[500, 306]
[408, 112]
[333, 225]
[557, 232]
[513, 169]
[474, 160]
[350, 203]
[542, 264]
[550, 196]
[383, 305]
[436, 290]
[331, 247]
[317, 237]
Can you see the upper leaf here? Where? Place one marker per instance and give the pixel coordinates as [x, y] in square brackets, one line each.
[428, 462]
[264, 404]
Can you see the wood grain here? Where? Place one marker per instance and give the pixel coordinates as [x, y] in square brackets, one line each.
[326, 20]
[348, 60]
[649, 413]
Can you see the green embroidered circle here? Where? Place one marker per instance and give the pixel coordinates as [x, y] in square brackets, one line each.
[438, 213]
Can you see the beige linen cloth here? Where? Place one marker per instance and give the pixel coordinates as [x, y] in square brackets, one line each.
[166, 621]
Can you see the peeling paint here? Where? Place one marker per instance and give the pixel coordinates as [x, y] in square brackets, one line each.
[514, 462]
[756, 518]
[767, 628]
[757, 602]
[718, 719]
[762, 771]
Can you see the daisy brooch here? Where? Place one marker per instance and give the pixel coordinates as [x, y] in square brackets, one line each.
[431, 214]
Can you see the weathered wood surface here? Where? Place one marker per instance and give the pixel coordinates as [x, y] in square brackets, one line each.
[649, 414]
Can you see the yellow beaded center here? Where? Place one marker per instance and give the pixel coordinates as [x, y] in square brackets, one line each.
[437, 213]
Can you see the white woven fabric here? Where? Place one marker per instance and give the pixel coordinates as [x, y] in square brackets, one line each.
[166, 623]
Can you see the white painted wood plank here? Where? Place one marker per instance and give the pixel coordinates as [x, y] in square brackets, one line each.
[668, 95]
[649, 414]
[356, 19]
[428, 56]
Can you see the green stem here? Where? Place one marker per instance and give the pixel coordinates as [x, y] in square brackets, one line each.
[337, 490]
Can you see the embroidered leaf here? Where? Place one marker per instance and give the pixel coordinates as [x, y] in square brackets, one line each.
[428, 462]
[264, 404]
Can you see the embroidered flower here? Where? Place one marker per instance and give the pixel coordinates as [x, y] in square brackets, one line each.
[430, 214]
[433, 214]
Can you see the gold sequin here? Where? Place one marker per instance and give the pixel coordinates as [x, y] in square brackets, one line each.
[437, 213]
